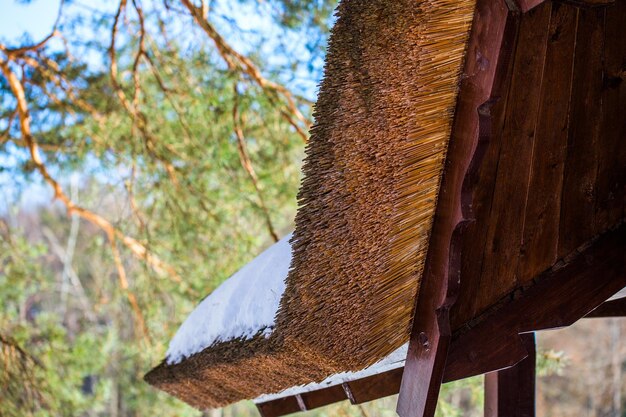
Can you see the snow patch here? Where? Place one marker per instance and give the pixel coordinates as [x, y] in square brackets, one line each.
[244, 305]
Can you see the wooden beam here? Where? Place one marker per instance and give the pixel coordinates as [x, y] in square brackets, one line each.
[559, 297]
[279, 407]
[375, 386]
[589, 3]
[511, 392]
[431, 334]
[527, 5]
[613, 308]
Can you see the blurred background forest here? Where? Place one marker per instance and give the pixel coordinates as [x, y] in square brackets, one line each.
[148, 149]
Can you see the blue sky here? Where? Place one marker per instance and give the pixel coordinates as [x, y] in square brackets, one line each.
[35, 18]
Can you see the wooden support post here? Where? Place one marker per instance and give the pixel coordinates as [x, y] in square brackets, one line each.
[510, 392]
[431, 334]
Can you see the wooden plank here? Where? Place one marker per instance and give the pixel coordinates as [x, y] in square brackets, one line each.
[511, 392]
[559, 298]
[506, 221]
[430, 333]
[490, 139]
[320, 398]
[376, 386]
[579, 187]
[527, 5]
[589, 3]
[279, 407]
[613, 308]
[541, 226]
[611, 177]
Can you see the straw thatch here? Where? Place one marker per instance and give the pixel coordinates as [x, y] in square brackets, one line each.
[371, 178]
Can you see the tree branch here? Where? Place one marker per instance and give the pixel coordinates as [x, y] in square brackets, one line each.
[238, 62]
[138, 249]
[21, 50]
[132, 299]
[138, 118]
[246, 163]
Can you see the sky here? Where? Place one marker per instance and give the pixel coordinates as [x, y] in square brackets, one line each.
[29, 21]
[35, 18]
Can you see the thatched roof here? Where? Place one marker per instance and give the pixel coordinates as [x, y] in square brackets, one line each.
[366, 205]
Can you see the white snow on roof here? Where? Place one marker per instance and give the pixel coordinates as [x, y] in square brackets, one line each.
[244, 305]
[395, 360]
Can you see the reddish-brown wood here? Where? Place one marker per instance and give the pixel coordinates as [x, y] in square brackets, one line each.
[315, 399]
[541, 225]
[376, 386]
[490, 139]
[577, 177]
[431, 333]
[584, 142]
[589, 3]
[611, 186]
[550, 125]
[279, 407]
[559, 298]
[526, 5]
[511, 392]
[613, 308]
[506, 221]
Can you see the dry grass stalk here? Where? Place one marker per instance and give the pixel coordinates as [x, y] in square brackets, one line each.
[371, 175]
[366, 204]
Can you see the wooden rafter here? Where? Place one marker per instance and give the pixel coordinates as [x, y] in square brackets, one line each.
[559, 297]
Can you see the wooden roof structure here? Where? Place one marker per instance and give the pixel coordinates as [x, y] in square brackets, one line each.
[520, 154]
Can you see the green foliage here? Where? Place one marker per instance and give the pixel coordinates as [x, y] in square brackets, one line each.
[551, 362]
[170, 174]
[167, 172]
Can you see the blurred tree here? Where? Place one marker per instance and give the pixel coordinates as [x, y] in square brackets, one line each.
[175, 155]
[169, 136]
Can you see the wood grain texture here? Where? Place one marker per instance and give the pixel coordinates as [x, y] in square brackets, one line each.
[584, 140]
[560, 297]
[504, 235]
[526, 5]
[431, 332]
[574, 162]
[490, 140]
[377, 386]
[611, 178]
[613, 308]
[541, 225]
[589, 3]
[279, 407]
[511, 392]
